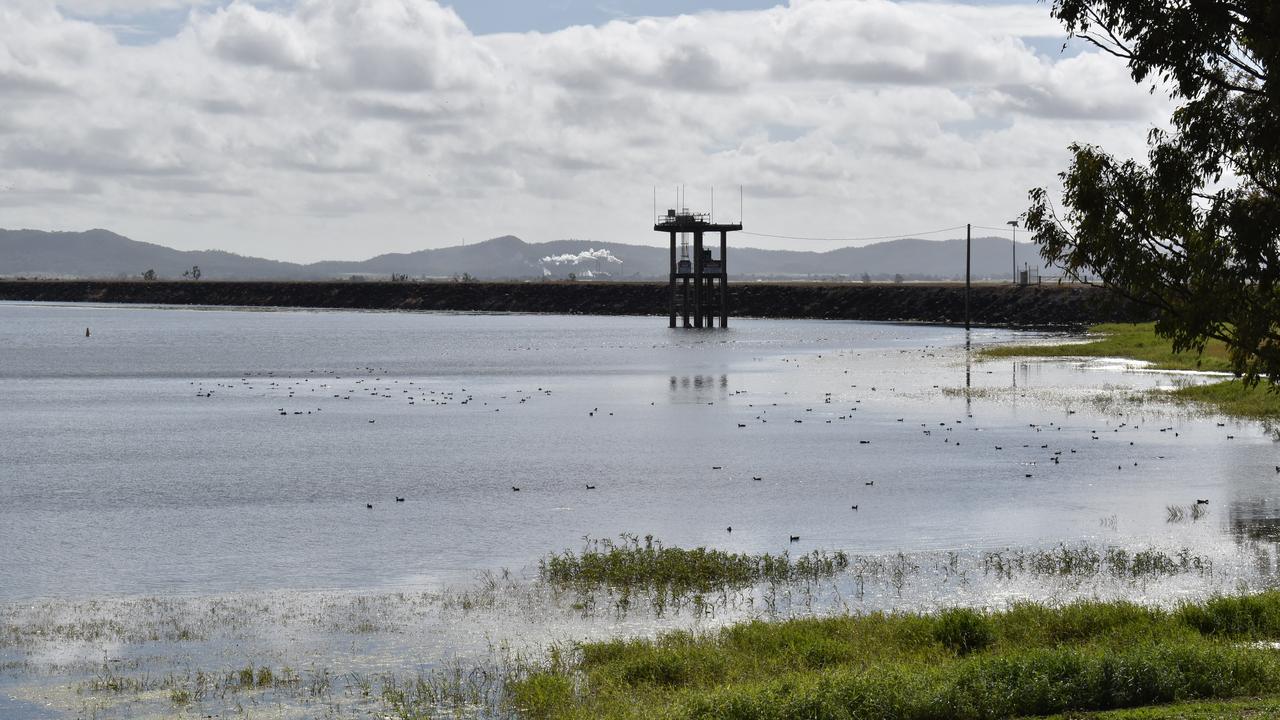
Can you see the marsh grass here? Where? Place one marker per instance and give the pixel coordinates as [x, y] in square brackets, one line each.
[972, 393]
[132, 621]
[1026, 660]
[453, 691]
[174, 620]
[191, 687]
[489, 591]
[1084, 561]
[633, 564]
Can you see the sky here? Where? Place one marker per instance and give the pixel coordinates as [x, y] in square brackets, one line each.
[341, 129]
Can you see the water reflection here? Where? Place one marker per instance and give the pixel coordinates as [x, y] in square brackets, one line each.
[1021, 368]
[699, 387]
[1255, 519]
[1254, 525]
[968, 373]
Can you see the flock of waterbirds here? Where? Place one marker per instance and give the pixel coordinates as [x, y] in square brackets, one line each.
[378, 383]
[367, 382]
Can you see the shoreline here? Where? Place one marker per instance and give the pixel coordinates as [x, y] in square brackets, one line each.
[1224, 394]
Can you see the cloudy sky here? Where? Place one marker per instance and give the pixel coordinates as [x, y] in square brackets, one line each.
[310, 129]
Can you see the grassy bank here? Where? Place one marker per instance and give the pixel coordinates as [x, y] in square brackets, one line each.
[1140, 342]
[1026, 661]
[1135, 341]
[1232, 397]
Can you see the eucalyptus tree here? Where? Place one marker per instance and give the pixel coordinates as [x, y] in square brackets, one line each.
[1195, 229]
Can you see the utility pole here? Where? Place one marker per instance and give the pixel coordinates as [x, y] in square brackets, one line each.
[968, 266]
[1014, 224]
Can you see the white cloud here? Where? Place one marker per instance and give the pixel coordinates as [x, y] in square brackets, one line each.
[242, 33]
[290, 131]
[1091, 86]
[881, 42]
[396, 45]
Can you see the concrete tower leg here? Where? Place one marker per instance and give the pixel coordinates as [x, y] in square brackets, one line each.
[711, 301]
[684, 306]
[724, 279]
[671, 290]
[698, 291]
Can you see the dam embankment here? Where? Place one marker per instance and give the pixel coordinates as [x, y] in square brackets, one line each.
[1044, 305]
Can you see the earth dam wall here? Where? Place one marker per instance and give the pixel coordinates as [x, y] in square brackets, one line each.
[1043, 305]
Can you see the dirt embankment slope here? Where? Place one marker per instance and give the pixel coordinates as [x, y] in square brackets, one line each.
[936, 303]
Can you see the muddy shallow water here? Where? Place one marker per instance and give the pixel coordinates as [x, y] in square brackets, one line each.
[187, 490]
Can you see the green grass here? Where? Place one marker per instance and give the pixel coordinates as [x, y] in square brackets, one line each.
[1135, 341]
[1233, 397]
[1027, 661]
[1243, 709]
[1140, 342]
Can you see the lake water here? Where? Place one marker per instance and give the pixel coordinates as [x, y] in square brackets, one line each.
[203, 454]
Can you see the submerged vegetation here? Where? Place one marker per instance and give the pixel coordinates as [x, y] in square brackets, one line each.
[1027, 660]
[1087, 561]
[1140, 342]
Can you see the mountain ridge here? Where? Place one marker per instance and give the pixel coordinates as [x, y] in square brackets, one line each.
[100, 253]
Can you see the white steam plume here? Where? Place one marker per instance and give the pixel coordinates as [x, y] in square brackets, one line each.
[586, 256]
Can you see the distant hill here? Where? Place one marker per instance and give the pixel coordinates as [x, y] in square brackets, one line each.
[104, 254]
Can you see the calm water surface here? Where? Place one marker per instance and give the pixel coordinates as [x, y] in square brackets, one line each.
[213, 450]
